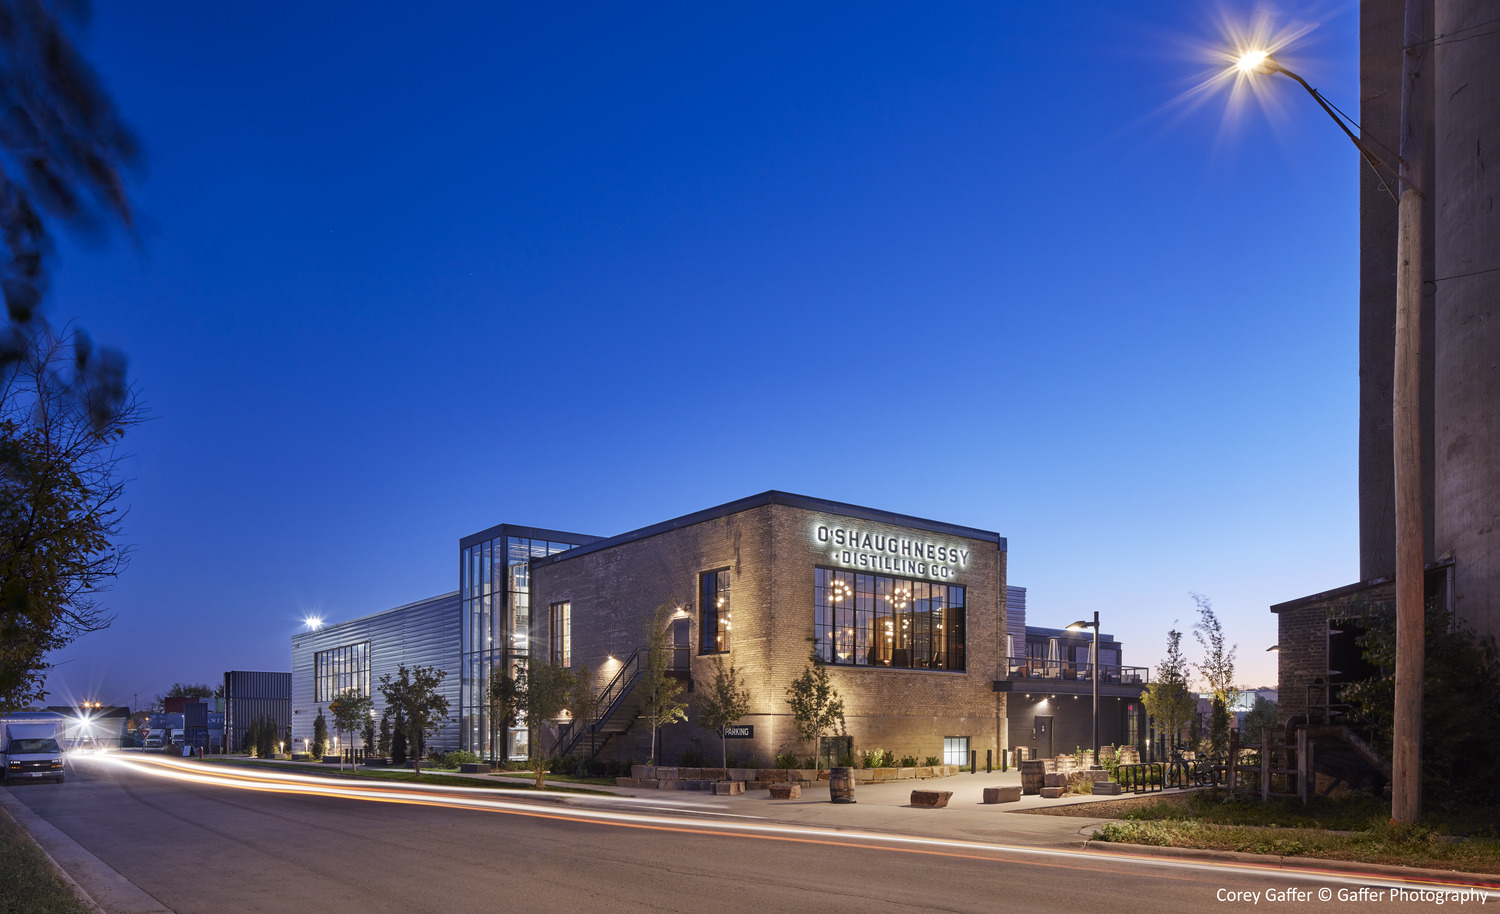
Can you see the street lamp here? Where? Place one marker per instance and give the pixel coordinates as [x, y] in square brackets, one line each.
[1094, 665]
[1406, 403]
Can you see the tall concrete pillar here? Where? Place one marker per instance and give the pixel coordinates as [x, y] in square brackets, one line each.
[1467, 306]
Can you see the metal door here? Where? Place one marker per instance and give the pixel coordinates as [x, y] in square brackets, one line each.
[1042, 737]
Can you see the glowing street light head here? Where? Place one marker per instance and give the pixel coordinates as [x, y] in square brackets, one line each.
[1256, 61]
[313, 623]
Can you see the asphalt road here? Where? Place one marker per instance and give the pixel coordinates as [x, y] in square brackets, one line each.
[211, 848]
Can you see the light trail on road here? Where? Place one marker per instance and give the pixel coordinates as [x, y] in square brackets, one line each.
[630, 814]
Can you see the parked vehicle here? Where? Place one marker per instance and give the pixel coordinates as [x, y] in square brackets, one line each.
[31, 747]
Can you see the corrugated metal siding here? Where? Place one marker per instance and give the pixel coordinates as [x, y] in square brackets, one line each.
[1015, 617]
[425, 633]
[249, 694]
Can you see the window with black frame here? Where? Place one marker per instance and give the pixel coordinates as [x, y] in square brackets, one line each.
[714, 619]
[560, 630]
[882, 621]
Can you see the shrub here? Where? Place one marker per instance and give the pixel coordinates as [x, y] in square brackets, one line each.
[785, 761]
[876, 758]
[908, 761]
[932, 761]
[453, 759]
[692, 758]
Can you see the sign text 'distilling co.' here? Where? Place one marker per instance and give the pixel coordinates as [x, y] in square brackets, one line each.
[866, 550]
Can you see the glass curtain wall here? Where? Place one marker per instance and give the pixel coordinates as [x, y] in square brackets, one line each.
[495, 589]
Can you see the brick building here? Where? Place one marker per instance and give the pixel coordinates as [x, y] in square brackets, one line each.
[923, 638]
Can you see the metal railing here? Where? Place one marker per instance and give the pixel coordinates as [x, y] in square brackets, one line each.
[1080, 670]
[604, 706]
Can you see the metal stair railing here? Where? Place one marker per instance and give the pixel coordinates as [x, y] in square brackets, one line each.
[607, 703]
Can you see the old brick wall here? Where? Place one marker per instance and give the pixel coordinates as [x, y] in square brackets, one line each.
[771, 552]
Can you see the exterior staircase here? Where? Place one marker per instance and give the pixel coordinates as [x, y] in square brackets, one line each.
[618, 707]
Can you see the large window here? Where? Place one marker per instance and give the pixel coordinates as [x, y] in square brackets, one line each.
[955, 750]
[880, 621]
[560, 630]
[340, 669]
[713, 612]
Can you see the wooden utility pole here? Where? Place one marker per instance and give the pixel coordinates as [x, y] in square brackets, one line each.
[1406, 769]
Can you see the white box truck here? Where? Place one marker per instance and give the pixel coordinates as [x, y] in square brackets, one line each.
[31, 747]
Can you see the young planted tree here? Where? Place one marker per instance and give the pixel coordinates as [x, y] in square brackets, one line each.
[417, 705]
[383, 738]
[817, 707]
[1260, 721]
[1168, 700]
[661, 695]
[351, 713]
[724, 703]
[539, 692]
[505, 709]
[1217, 670]
[320, 735]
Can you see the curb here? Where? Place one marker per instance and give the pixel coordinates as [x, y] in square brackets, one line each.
[1416, 874]
[123, 896]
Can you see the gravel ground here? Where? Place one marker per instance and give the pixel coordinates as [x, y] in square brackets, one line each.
[1106, 809]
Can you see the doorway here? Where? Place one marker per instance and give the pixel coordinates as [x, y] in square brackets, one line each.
[1041, 734]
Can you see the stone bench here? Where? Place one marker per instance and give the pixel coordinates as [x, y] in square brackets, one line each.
[475, 767]
[931, 799]
[1107, 789]
[785, 791]
[1052, 793]
[730, 788]
[1002, 794]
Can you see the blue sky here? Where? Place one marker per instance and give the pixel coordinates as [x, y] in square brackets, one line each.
[403, 273]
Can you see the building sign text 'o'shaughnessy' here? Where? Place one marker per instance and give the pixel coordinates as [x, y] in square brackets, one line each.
[863, 549]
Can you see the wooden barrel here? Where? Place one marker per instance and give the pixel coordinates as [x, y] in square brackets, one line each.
[1033, 773]
[841, 784]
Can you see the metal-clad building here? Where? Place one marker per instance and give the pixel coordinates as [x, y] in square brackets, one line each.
[249, 695]
[356, 653]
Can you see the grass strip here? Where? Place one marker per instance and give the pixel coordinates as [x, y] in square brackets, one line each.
[29, 884]
[404, 776]
[1392, 844]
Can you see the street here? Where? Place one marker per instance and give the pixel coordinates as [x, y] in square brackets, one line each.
[270, 842]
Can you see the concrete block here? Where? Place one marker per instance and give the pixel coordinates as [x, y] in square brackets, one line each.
[743, 774]
[666, 774]
[784, 791]
[729, 788]
[713, 774]
[628, 782]
[1002, 794]
[931, 799]
[771, 774]
[475, 767]
[1057, 779]
[1052, 793]
[643, 771]
[905, 774]
[864, 775]
[1107, 789]
[924, 772]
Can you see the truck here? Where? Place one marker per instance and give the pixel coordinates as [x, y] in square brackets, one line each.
[31, 746]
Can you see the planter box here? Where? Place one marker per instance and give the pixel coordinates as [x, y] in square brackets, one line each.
[931, 799]
[375, 761]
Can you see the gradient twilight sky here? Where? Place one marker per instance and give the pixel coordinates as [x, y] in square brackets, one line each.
[408, 272]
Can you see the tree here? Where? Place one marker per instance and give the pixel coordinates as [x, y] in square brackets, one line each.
[817, 707]
[64, 404]
[1168, 700]
[1217, 669]
[725, 702]
[1460, 744]
[419, 708]
[538, 693]
[661, 695]
[383, 740]
[59, 513]
[351, 713]
[1260, 719]
[320, 735]
[505, 710]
